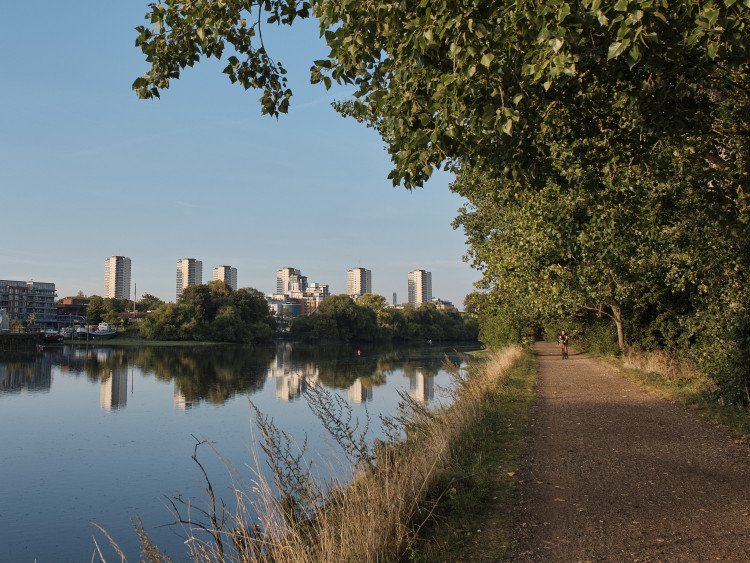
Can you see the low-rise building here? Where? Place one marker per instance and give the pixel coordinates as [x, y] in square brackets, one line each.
[22, 299]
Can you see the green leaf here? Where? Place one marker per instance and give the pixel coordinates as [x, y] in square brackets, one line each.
[621, 6]
[508, 127]
[487, 58]
[713, 48]
[614, 50]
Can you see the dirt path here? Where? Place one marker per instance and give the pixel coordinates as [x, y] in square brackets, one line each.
[614, 473]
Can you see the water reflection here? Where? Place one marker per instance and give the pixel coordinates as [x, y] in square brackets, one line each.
[292, 378]
[360, 392]
[180, 401]
[25, 375]
[422, 387]
[113, 392]
[216, 374]
[142, 406]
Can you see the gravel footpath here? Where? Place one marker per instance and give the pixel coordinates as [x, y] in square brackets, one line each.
[614, 473]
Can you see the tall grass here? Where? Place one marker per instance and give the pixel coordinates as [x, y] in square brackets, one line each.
[296, 516]
[670, 365]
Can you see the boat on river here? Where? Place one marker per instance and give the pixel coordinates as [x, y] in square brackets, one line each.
[103, 330]
[52, 337]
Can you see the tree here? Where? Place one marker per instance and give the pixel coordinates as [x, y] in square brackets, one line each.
[95, 310]
[148, 302]
[465, 82]
[372, 301]
[212, 312]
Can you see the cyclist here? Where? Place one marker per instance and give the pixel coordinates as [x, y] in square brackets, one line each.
[563, 339]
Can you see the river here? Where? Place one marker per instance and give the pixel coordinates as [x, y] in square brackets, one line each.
[101, 434]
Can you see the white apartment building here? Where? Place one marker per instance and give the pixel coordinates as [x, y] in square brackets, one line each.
[420, 287]
[358, 282]
[117, 277]
[189, 272]
[290, 281]
[226, 274]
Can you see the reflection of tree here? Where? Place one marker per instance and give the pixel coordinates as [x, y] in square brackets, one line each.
[212, 374]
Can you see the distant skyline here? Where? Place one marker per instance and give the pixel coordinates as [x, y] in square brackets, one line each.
[89, 171]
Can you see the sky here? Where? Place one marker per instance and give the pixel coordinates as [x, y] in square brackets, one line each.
[88, 171]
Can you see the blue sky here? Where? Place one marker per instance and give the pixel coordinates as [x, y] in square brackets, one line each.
[87, 170]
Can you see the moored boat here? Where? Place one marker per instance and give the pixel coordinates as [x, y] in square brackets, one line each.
[52, 337]
[104, 330]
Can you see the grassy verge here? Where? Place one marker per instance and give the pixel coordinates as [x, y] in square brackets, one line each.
[473, 518]
[687, 387]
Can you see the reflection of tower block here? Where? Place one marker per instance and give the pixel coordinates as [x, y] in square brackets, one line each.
[113, 393]
[288, 387]
[180, 401]
[421, 388]
[359, 393]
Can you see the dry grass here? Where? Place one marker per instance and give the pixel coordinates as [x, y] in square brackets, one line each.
[300, 518]
[669, 365]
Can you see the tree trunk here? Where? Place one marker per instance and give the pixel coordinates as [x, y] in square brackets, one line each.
[617, 316]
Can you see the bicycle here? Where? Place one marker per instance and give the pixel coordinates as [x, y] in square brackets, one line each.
[564, 351]
[563, 340]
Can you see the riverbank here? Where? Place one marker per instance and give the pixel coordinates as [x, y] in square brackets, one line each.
[400, 486]
[130, 341]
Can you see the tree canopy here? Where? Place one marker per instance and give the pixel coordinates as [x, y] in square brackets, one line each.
[339, 318]
[212, 312]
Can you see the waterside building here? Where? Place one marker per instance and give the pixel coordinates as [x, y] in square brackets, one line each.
[22, 299]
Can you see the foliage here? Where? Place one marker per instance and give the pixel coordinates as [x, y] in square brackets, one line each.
[500, 322]
[180, 33]
[148, 302]
[602, 147]
[101, 309]
[339, 318]
[212, 312]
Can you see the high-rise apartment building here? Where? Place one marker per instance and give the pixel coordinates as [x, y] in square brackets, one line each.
[226, 274]
[420, 287]
[290, 281]
[189, 272]
[358, 282]
[117, 277]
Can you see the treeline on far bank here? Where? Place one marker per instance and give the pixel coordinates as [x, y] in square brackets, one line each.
[215, 312]
[339, 318]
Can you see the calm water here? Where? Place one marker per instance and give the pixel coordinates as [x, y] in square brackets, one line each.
[99, 435]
